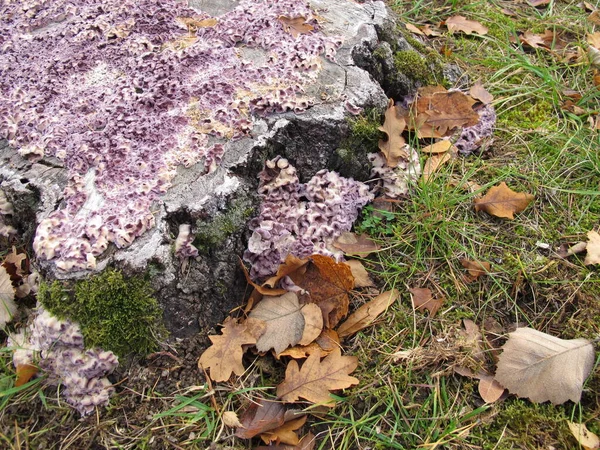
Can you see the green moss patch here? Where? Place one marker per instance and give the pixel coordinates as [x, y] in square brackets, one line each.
[115, 313]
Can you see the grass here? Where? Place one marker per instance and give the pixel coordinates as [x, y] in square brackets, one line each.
[409, 396]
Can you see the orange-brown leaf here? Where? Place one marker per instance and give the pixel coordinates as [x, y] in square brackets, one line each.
[460, 23]
[317, 378]
[225, 354]
[327, 283]
[327, 342]
[307, 442]
[355, 245]
[394, 147]
[261, 416]
[475, 268]
[478, 92]
[295, 25]
[367, 313]
[24, 373]
[422, 298]
[360, 274]
[289, 266]
[285, 434]
[501, 201]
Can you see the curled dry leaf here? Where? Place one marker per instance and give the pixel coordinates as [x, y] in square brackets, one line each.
[285, 434]
[489, 389]
[543, 367]
[367, 313]
[460, 23]
[587, 439]
[434, 162]
[307, 442]
[502, 201]
[313, 323]
[478, 92]
[225, 354]
[283, 319]
[414, 29]
[360, 274]
[353, 245]
[422, 298]
[394, 147]
[261, 416]
[593, 248]
[475, 268]
[295, 25]
[231, 420]
[317, 378]
[327, 342]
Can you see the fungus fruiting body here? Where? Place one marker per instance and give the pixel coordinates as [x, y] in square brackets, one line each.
[123, 92]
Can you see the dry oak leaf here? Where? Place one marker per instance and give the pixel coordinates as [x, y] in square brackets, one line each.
[355, 245]
[225, 355]
[434, 162]
[313, 323]
[543, 367]
[327, 342]
[593, 248]
[475, 268]
[8, 307]
[478, 92]
[295, 25]
[367, 313]
[283, 319]
[327, 283]
[285, 434]
[460, 23]
[24, 373]
[360, 274]
[587, 439]
[307, 442]
[422, 298]
[502, 201]
[394, 148]
[317, 378]
[262, 415]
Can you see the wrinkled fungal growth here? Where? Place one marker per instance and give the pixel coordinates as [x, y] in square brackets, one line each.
[300, 219]
[56, 346]
[124, 91]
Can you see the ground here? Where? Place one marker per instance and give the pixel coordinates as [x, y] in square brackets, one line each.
[409, 395]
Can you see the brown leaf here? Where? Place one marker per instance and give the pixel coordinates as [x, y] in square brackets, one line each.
[285, 434]
[475, 268]
[473, 341]
[367, 313]
[543, 367]
[460, 23]
[438, 112]
[593, 248]
[594, 17]
[436, 161]
[261, 416]
[317, 378]
[548, 40]
[290, 265]
[327, 342]
[8, 307]
[283, 319]
[422, 298]
[394, 147]
[431, 30]
[295, 25]
[230, 419]
[594, 39]
[360, 274]
[353, 245]
[24, 373]
[537, 3]
[313, 323]
[501, 201]
[225, 354]
[327, 283]
[587, 439]
[478, 92]
[262, 290]
[489, 389]
[16, 265]
[308, 442]
[414, 29]
[441, 146]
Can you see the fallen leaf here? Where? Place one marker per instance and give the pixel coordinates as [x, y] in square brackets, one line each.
[360, 274]
[262, 290]
[441, 146]
[548, 41]
[285, 434]
[291, 265]
[353, 245]
[24, 373]
[16, 265]
[587, 439]
[431, 31]
[225, 354]
[460, 23]
[8, 307]
[478, 92]
[327, 283]
[327, 342]
[543, 367]
[537, 3]
[508, 12]
[295, 25]
[414, 29]
[283, 319]
[594, 39]
[313, 323]
[501, 201]
[473, 340]
[367, 313]
[475, 268]
[261, 416]
[422, 298]
[489, 389]
[394, 147]
[436, 161]
[593, 248]
[307, 442]
[594, 17]
[231, 420]
[317, 378]
[569, 105]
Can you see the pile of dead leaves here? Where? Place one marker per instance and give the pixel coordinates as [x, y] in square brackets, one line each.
[306, 322]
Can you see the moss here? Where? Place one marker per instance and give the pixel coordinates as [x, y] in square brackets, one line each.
[424, 70]
[115, 313]
[212, 233]
[535, 114]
